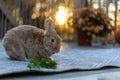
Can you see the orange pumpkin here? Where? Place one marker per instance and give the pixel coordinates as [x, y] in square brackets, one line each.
[118, 36]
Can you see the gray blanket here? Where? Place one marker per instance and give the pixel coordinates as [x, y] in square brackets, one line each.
[70, 57]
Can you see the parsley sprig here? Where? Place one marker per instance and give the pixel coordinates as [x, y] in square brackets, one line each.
[42, 63]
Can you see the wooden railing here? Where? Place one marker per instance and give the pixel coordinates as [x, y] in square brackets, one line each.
[6, 19]
[17, 12]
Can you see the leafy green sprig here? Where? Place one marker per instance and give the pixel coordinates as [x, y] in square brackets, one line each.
[42, 63]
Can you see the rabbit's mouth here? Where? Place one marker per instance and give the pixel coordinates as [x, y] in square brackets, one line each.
[56, 50]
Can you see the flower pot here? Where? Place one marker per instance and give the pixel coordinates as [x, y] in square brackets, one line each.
[83, 39]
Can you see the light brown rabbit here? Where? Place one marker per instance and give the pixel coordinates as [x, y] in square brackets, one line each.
[26, 41]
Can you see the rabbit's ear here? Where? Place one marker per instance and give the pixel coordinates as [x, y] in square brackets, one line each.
[49, 25]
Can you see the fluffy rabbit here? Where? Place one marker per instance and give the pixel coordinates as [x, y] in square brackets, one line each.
[26, 41]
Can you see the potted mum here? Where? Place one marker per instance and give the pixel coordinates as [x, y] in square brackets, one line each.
[88, 22]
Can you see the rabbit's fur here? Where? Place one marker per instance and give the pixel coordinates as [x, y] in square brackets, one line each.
[26, 41]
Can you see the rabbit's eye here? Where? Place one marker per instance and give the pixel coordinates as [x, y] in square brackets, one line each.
[52, 40]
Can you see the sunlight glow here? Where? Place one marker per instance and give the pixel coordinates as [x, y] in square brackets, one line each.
[61, 15]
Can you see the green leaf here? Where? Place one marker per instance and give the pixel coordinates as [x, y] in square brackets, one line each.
[42, 63]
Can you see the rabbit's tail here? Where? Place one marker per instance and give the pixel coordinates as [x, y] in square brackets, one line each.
[14, 50]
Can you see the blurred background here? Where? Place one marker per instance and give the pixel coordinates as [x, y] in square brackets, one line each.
[34, 12]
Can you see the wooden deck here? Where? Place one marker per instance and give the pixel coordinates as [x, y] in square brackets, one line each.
[20, 65]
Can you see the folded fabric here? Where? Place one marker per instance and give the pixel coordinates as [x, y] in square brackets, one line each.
[71, 57]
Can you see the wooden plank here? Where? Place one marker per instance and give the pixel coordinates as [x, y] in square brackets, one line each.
[6, 12]
[79, 3]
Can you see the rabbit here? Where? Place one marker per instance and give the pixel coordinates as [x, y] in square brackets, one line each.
[27, 41]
